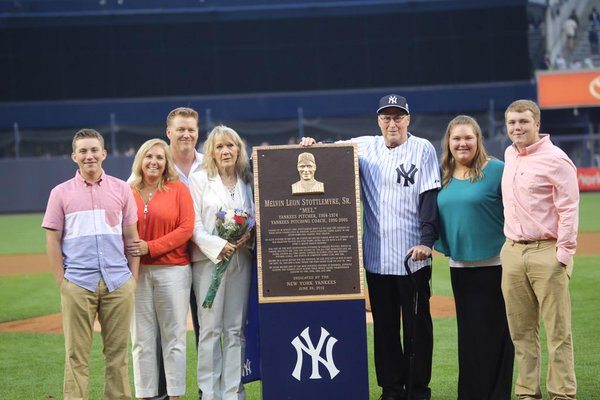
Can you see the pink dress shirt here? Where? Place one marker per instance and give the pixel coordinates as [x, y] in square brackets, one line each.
[541, 196]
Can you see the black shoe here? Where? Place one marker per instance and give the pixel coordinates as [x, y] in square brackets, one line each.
[415, 397]
[393, 396]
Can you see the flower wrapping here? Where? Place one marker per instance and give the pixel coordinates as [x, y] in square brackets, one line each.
[231, 225]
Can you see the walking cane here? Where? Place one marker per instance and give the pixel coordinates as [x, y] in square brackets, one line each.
[413, 334]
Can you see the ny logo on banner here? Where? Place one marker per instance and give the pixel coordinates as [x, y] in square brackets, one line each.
[315, 354]
[409, 176]
[246, 369]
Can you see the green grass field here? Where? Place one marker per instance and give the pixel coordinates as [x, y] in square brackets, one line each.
[41, 376]
[22, 234]
[589, 212]
[32, 364]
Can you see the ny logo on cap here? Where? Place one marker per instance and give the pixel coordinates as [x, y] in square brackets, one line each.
[392, 100]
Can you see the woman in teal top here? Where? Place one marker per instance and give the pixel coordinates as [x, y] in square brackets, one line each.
[471, 234]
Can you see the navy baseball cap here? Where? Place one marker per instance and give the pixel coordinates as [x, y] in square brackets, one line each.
[393, 100]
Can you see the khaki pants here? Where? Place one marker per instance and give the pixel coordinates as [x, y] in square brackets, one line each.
[79, 308]
[534, 283]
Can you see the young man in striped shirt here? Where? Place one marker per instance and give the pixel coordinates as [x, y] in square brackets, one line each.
[88, 219]
[399, 177]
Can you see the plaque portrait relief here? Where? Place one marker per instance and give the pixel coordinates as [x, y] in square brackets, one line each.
[307, 184]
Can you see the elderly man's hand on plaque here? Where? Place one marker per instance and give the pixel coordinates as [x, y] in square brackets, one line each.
[307, 141]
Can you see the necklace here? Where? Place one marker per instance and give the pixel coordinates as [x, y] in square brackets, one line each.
[148, 192]
[146, 202]
[231, 188]
[230, 183]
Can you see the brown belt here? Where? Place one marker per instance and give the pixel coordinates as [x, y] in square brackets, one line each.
[529, 241]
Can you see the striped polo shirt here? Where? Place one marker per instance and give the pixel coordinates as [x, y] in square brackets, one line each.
[391, 181]
[92, 216]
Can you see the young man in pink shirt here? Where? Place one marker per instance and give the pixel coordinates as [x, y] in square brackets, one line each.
[88, 220]
[541, 202]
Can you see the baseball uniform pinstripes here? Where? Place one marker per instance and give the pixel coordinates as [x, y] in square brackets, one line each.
[391, 182]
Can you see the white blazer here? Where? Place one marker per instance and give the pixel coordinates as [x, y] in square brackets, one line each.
[210, 195]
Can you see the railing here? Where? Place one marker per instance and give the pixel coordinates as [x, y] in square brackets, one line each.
[557, 13]
[582, 148]
[35, 177]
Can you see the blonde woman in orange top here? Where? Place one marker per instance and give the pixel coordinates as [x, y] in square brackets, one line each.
[165, 225]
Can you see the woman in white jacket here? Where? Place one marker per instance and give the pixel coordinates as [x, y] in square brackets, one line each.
[223, 183]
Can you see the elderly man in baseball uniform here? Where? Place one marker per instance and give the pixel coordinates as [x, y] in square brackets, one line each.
[399, 177]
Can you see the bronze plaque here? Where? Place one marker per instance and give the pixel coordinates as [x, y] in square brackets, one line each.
[308, 223]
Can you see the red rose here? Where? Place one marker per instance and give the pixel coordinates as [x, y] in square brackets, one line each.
[238, 219]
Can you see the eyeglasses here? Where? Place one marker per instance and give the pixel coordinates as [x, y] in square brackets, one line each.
[386, 119]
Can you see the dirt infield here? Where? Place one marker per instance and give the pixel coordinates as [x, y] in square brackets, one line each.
[441, 306]
[23, 264]
[588, 244]
[48, 324]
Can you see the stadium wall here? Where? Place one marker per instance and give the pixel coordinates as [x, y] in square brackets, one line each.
[72, 57]
[28, 184]
[263, 106]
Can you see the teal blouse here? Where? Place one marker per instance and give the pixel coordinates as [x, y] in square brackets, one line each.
[472, 216]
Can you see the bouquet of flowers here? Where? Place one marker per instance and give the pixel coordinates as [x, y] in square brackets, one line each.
[231, 225]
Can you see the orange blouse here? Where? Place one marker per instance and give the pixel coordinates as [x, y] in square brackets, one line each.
[167, 226]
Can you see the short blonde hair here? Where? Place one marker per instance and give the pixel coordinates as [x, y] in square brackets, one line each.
[183, 112]
[169, 174]
[522, 106]
[448, 161]
[87, 133]
[242, 164]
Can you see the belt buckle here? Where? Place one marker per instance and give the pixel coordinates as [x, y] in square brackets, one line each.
[525, 242]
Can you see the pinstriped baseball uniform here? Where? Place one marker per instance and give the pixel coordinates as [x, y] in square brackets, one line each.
[391, 182]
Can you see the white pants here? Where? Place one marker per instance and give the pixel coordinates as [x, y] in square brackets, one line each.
[161, 305]
[220, 367]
